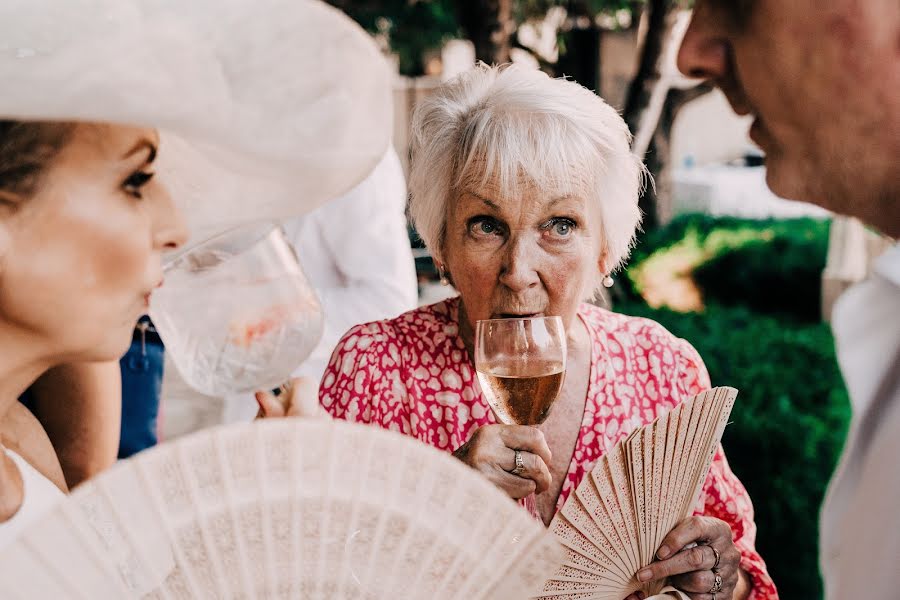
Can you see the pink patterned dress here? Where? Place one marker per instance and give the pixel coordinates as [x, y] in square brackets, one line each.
[412, 374]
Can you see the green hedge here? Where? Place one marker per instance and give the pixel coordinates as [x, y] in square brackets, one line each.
[760, 333]
[772, 266]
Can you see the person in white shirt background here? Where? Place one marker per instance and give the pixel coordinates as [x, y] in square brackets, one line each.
[355, 251]
[822, 80]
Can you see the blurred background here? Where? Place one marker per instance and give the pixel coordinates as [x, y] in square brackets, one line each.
[748, 278]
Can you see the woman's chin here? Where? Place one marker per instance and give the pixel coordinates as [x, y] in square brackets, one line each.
[108, 349]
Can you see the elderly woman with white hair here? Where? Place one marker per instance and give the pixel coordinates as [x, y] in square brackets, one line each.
[525, 190]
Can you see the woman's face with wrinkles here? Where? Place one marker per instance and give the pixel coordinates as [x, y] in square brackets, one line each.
[529, 253]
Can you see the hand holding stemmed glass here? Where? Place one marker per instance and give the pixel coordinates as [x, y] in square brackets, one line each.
[521, 365]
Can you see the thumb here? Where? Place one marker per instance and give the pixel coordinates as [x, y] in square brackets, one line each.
[270, 406]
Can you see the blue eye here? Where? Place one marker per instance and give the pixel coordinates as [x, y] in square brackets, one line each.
[484, 226]
[560, 227]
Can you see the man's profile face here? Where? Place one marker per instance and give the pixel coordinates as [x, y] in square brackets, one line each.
[822, 79]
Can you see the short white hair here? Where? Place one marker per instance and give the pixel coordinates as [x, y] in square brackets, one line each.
[508, 121]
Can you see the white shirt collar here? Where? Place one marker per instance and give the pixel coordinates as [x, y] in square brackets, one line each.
[888, 265]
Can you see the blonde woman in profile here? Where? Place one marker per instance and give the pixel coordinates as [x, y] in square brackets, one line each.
[85, 178]
[84, 224]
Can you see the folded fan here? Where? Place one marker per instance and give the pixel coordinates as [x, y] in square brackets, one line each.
[284, 509]
[637, 492]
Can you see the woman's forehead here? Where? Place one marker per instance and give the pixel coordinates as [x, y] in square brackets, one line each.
[495, 187]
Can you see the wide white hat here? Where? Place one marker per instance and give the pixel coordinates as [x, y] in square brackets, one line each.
[266, 108]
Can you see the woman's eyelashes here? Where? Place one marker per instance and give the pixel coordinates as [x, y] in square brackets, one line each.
[555, 229]
[559, 228]
[135, 182]
[484, 226]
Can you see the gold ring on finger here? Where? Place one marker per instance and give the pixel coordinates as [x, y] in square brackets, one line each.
[715, 567]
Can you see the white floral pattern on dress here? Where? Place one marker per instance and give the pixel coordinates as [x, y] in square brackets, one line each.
[412, 374]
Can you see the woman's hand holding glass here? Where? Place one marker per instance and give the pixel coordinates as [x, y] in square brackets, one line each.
[492, 452]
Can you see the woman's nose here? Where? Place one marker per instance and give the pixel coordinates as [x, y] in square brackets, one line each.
[519, 266]
[704, 50]
[170, 228]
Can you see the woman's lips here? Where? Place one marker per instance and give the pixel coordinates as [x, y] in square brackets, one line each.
[150, 293]
[516, 315]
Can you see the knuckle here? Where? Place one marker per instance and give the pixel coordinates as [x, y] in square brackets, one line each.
[731, 557]
[521, 488]
[695, 557]
[476, 455]
[695, 581]
[533, 437]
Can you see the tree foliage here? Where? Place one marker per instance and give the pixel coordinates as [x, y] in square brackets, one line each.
[412, 28]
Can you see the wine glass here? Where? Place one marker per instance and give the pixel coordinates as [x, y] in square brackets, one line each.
[236, 312]
[521, 364]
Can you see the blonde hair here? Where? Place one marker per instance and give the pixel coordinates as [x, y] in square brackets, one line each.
[509, 121]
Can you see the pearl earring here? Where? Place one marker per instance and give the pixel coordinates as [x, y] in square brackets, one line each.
[607, 282]
[443, 275]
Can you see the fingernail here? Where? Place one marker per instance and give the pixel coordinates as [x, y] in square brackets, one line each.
[663, 552]
[644, 575]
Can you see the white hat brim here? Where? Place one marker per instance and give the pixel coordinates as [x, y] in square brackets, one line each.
[266, 108]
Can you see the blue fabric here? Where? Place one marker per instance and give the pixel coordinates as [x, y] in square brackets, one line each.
[142, 373]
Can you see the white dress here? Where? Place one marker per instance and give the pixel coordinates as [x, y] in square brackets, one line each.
[39, 493]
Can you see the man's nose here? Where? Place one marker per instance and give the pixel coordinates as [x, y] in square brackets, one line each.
[704, 50]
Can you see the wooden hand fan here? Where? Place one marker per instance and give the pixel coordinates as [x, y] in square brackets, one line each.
[284, 509]
[615, 521]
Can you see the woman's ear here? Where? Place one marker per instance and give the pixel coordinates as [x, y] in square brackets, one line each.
[603, 262]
